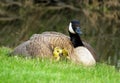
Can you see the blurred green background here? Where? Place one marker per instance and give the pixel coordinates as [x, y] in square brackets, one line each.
[100, 22]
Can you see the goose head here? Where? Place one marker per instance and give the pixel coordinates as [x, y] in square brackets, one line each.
[74, 27]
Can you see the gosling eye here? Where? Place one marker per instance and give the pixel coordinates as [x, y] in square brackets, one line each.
[57, 51]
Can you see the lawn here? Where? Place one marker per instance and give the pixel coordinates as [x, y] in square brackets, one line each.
[23, 70]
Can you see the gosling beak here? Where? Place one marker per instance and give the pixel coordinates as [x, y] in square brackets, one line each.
[61, 54]
[78, 31]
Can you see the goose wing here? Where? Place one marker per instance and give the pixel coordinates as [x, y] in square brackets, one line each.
[54, 33]
[33, 48]
[90, 48]
[39, 48]
[21, 49]
[54, 39]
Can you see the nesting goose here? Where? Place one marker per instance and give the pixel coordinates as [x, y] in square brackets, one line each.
[42, 45]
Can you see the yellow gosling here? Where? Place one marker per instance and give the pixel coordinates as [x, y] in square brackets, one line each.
[57, 52]
[65, 54]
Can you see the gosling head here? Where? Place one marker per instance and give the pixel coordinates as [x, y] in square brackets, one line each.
[57, 53]
[65, 54]
[74, 27]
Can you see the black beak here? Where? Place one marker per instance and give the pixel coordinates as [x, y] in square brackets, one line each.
[78, 31]
[61, 54]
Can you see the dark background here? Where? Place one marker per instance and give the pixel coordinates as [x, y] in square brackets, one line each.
[100, 22]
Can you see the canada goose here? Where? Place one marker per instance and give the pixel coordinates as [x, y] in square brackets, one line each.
[42, 45]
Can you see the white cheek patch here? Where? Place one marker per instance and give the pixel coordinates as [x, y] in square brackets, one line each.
[71, 29]
[84, 56]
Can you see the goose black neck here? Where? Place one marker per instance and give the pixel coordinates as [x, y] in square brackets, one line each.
[76, 40]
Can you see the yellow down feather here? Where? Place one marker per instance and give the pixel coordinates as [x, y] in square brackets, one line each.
[59, 53]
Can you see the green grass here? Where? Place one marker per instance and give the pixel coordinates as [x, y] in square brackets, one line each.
[21, 70]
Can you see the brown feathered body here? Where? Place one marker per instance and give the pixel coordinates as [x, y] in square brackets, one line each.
[42, 45]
